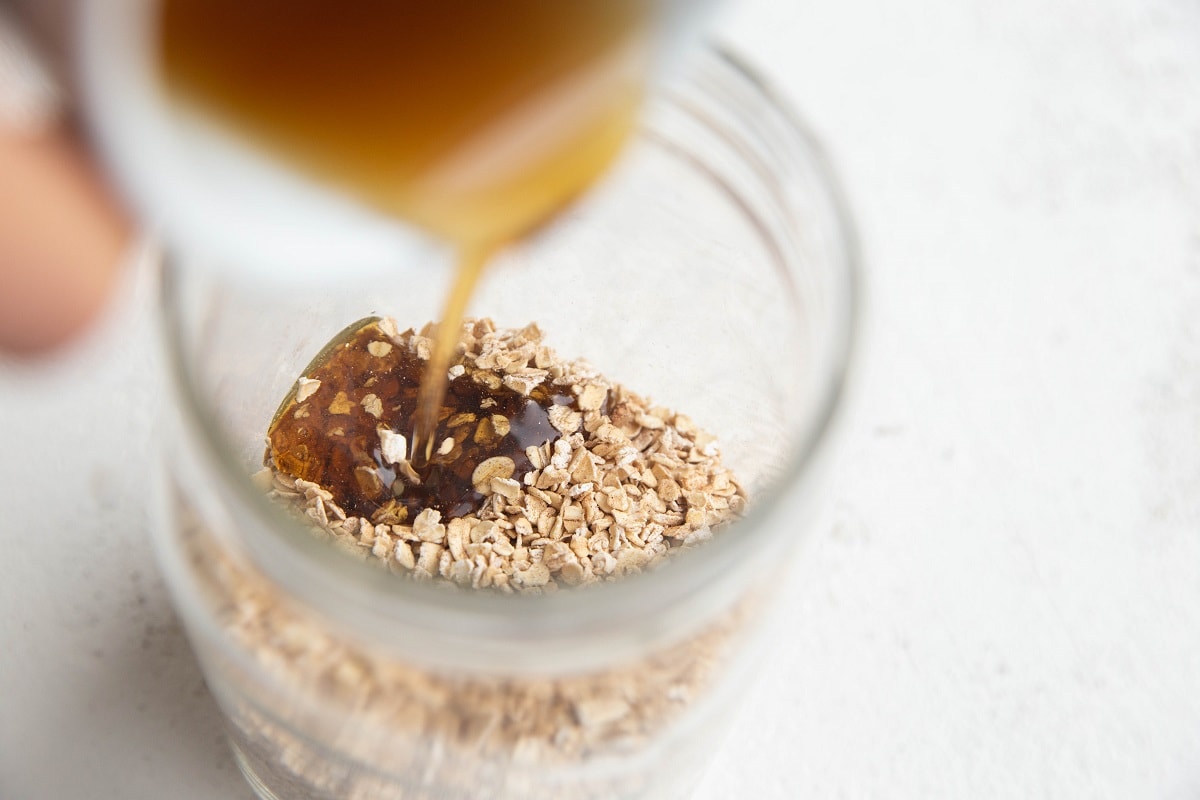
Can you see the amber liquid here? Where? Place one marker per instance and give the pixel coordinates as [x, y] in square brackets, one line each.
[330, 437]
[474, 119]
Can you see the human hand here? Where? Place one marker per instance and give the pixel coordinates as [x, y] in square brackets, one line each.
[62, 235]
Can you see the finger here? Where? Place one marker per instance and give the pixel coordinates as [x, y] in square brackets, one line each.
[61, 240]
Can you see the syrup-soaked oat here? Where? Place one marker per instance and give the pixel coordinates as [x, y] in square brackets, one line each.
[368, 381]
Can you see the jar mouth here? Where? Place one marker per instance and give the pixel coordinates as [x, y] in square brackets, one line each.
[476, 624]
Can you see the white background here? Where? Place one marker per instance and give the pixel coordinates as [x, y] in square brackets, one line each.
[1004, 597]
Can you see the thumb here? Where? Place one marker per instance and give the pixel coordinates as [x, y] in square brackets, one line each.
[61, 236]
[61, 240]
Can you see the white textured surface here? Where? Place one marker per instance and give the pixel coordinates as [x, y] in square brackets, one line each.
[1005, 598]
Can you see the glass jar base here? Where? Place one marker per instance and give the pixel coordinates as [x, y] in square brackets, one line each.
[260, 788]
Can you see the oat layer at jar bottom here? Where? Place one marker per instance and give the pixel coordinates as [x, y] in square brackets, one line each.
[541, 472]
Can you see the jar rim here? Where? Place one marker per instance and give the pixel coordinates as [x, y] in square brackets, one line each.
[469, 622]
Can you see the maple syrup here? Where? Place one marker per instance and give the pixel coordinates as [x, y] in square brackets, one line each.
[331, 435]
[474, 119]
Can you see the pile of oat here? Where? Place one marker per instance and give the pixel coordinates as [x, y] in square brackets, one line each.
[326, 715]
[527, 719]
[624, 484]
[613, 494]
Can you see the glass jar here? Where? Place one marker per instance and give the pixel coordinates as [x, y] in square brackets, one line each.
[715, 271]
